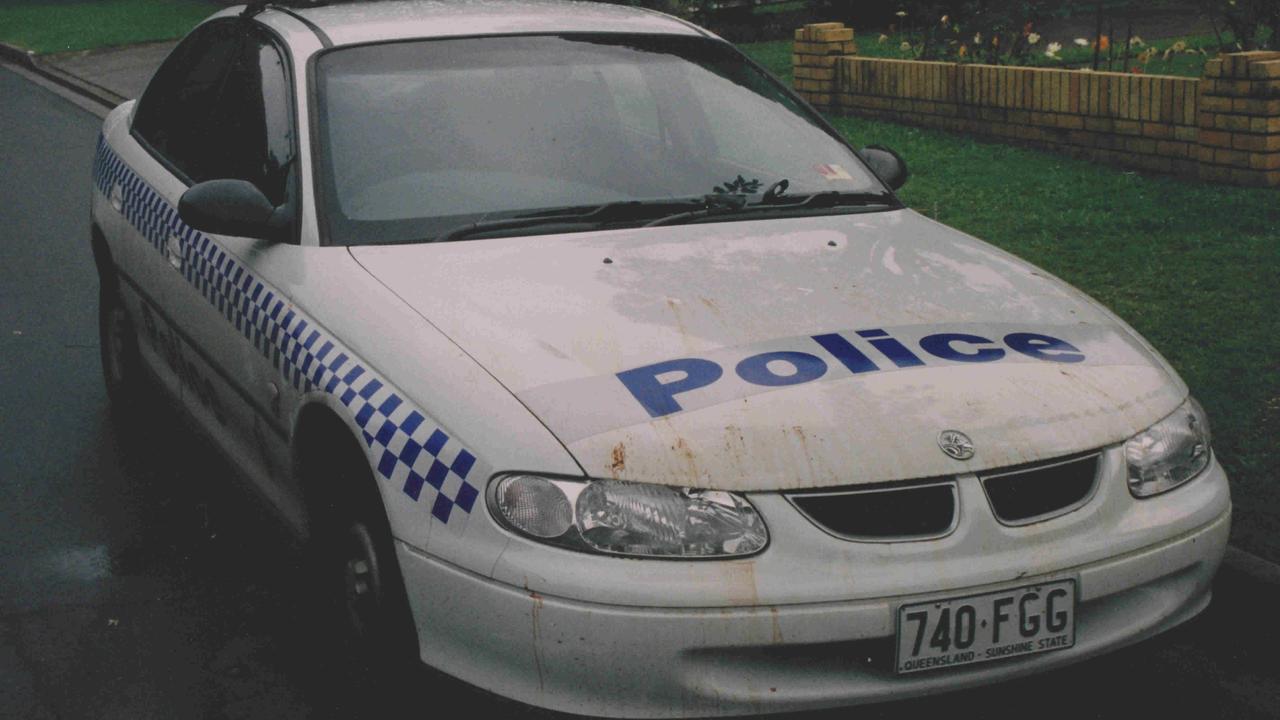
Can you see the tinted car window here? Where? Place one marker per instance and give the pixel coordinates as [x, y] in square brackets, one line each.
[255, 132]
[417, 138]
[219, 108]
[176, 114]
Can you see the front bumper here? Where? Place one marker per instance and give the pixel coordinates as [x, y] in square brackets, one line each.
[626, 661]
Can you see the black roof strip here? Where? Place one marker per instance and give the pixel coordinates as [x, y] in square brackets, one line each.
[324, 38]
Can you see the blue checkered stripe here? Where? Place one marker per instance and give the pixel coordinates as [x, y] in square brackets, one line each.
[410, 451]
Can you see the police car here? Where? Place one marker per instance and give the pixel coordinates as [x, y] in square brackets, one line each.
[604, 375]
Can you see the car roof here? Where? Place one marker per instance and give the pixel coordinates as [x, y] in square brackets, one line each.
[354, 23]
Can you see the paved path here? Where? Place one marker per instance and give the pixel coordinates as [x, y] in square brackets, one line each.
[123, 71]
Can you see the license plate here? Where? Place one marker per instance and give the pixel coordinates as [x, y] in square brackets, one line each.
[992, 626]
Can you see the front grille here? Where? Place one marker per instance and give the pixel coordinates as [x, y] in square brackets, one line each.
[904, 512]
[1031, 493]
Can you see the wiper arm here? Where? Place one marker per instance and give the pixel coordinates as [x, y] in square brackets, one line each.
[775, 201]
[618, 211]
[840, 198]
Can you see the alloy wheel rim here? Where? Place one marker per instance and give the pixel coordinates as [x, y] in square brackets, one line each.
[362, 581]
[115, 346]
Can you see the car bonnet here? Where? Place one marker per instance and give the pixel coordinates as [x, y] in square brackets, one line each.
[781, 354]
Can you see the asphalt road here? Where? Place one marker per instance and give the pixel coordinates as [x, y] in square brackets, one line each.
[139, 582]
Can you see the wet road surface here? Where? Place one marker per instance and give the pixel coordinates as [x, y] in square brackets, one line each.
[140, 581]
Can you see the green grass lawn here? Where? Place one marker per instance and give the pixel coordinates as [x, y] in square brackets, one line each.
[51, 27]
[1193, 267]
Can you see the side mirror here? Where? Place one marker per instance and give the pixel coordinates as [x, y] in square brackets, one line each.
[229, 207]
[887, 164]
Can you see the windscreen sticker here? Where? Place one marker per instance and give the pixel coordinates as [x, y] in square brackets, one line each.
[583, 407]
[833, 172]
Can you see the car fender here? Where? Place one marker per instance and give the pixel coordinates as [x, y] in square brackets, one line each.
[428, 417]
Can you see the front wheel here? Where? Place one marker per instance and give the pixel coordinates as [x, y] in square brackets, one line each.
[353, 563]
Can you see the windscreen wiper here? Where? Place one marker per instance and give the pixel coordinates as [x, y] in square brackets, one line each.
[671, 211]
[610, 212]
[775, 202]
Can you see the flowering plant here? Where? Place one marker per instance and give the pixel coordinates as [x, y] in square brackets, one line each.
[992, 31]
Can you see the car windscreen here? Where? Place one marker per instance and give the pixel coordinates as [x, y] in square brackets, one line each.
[417, 138]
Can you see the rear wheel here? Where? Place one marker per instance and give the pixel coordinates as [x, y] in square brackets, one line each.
[118, 346]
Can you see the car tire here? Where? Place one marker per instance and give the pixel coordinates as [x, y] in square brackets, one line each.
[122, 370]
[353, 567]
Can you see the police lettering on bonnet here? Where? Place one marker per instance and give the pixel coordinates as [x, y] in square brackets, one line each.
[655, 389]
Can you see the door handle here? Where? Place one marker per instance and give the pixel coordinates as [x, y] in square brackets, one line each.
[173, 251]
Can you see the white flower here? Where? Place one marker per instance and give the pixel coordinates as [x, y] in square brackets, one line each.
[905, 46]
[1082, 42]
[901, 13]
[1033, 38]
[1136, 41]
[1052, 50]
[977, 38]
[882, 38]
[1179, 46]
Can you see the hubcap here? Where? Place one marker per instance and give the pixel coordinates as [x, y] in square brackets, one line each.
[363, 582]
[116, 332]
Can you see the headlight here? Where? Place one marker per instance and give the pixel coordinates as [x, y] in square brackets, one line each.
[1168, 453]
[625, 518]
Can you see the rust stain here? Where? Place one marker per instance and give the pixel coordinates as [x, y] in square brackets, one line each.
[687, 337]
[686, 454]
[619, 460]
[674, 306]
[799, 432]
[536, 614]
[711, 304]
[735, 443]
[777, 628]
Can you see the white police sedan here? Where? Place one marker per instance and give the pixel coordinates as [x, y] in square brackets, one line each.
[607, 377]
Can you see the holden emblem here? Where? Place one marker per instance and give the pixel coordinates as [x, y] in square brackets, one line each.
[955, 444]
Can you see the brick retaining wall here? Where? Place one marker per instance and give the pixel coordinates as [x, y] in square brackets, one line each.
[1224, 128]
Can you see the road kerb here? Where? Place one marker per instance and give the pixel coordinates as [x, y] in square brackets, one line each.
[30, 61]
[1258, 569]
[17, 55]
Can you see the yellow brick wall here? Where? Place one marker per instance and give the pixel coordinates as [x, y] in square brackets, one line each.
[1239, 119]
[1225, 127]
